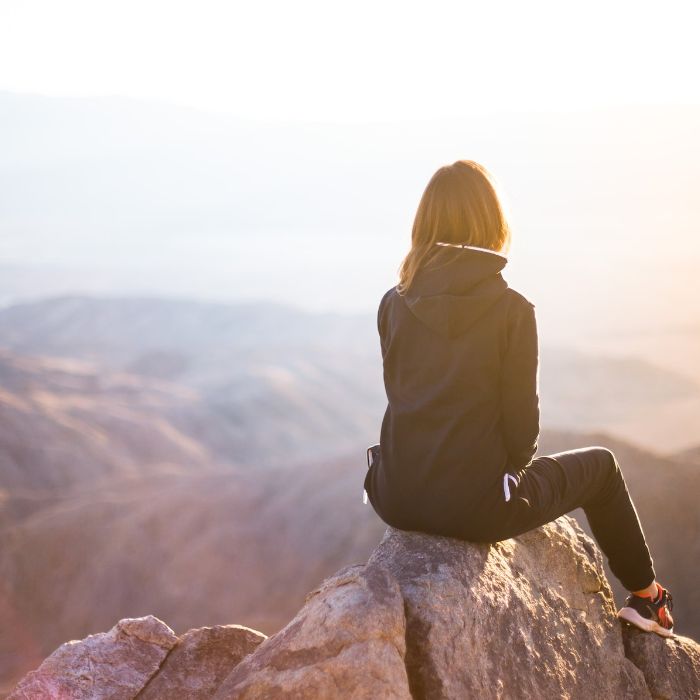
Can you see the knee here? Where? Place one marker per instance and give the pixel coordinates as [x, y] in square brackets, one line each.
[608, 461]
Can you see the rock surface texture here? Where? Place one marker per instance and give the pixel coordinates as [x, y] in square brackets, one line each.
[200, 661]
[671, 668]
[425, 618]
[114, 664]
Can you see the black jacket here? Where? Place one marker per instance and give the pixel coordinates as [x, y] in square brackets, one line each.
[460, 358]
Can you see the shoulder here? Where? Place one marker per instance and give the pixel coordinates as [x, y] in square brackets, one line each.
[520, 311]
[518, 301]
[389, 293]
[386, 298]
[382, 306]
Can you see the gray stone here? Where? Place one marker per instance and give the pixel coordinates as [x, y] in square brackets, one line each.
[671, 667]
[200, 661]
[113, 665]
[530, 617]
[347, 641]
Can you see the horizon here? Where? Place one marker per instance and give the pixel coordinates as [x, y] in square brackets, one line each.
[232, 164]
[211, 183]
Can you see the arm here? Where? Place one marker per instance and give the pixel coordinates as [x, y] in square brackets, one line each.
[519, 388]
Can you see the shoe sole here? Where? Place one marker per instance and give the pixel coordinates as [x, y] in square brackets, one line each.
[633, 617]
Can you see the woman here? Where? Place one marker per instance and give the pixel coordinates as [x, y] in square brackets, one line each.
[458, 439]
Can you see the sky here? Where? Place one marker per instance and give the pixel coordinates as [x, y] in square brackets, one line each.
[354, 62]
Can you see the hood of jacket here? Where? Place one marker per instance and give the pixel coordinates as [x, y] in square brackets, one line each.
[456, 288]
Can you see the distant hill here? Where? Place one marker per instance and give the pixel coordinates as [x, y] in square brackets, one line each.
[626, 396]
[68, 422]
[276, 382]
[252, 382]
[691, 455]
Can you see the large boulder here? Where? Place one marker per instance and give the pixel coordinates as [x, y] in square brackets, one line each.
[425, 618]
[530, 617]
[348, 641]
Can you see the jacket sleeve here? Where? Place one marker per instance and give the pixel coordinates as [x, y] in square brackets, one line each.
[520, 404]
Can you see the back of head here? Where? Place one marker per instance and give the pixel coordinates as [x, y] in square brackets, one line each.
[460, 205]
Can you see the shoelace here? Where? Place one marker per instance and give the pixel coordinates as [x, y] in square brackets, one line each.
[665, 598]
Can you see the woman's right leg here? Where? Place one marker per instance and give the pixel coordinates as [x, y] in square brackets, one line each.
[590, 478]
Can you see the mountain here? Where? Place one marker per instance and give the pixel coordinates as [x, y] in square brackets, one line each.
[274, 382]
[692, 454]
[638, 400]
[259, 383]
[68, 422]
[425, 617]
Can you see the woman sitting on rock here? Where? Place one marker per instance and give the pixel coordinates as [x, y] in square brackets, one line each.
[459, 435]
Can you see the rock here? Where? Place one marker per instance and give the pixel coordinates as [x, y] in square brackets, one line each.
[425, 618]
[200, 661]
[348, 641]
[114, 664]
[531, 617]
[671, 667]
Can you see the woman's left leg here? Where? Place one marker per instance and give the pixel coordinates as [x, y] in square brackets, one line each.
[590, 478]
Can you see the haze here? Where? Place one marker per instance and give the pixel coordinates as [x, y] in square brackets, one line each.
[273, 151]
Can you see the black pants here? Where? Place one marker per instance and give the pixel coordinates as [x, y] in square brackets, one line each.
[589, 478]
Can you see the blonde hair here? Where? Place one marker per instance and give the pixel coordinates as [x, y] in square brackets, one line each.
[459, 205]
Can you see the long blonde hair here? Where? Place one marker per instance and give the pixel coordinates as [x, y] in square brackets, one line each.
[459, 205]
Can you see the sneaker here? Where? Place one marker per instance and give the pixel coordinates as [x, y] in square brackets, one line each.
[650, 615]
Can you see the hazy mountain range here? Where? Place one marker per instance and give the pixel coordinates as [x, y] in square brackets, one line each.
[113, 195]
[262, 380]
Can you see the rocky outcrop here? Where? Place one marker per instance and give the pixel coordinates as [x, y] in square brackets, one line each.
[114, 664]
[530, 617]
[426, 617]
[140, 658]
